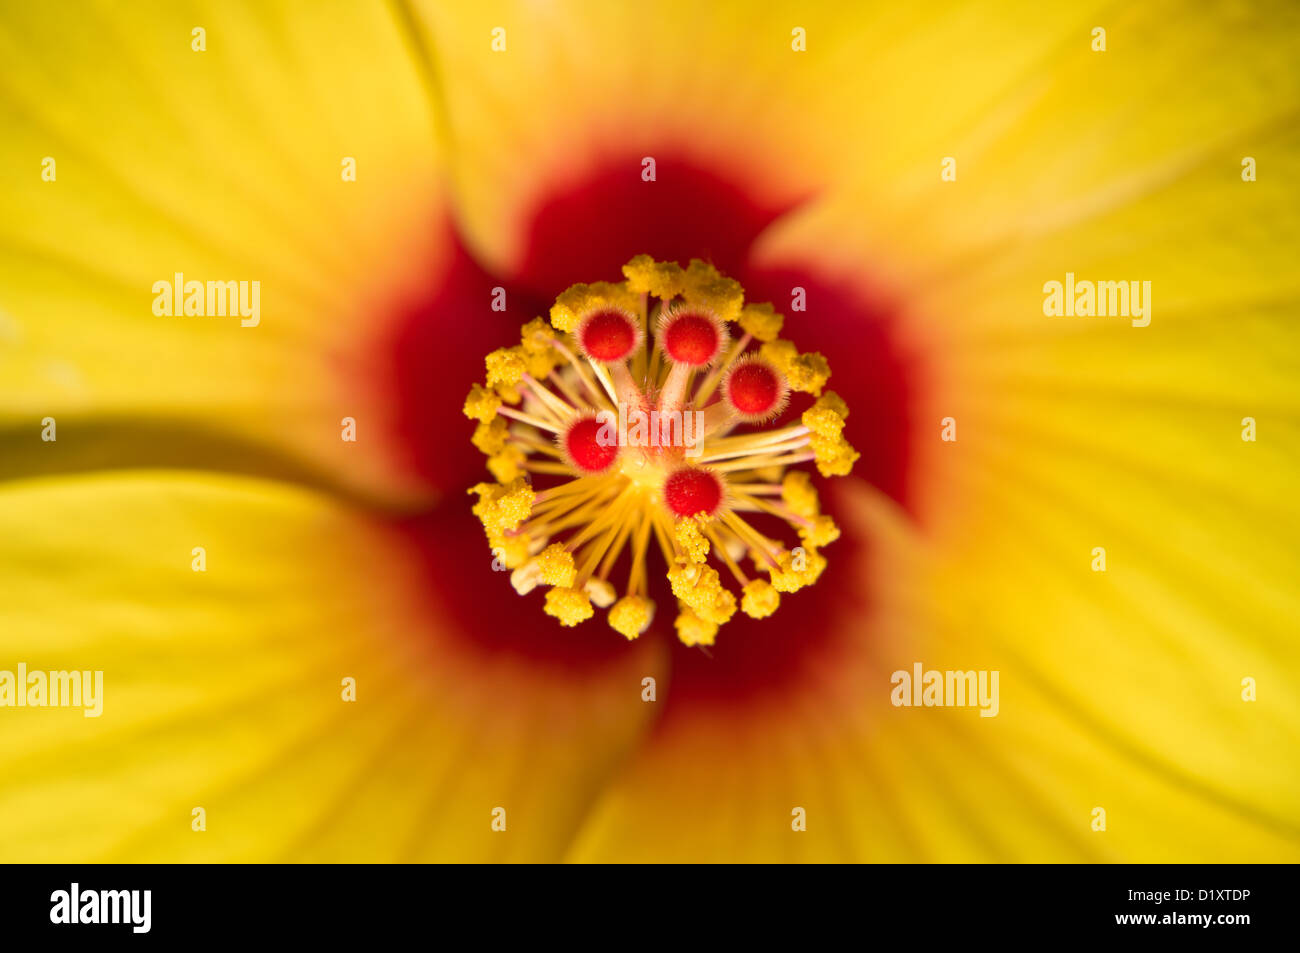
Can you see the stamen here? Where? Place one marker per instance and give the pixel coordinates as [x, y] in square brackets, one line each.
[605, 488]
[537, 422]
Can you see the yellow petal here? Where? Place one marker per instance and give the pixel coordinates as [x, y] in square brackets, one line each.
[597, 87]
[1098, 708]
[223, 688]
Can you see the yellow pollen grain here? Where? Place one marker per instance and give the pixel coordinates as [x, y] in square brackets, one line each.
[508, 393]
[491, 437]
[786, 579]
[799, 494]
[797, 570]
[816, 566]
[692, 630]
[663, 279]
[704, 286]
[540, 365]
[833, 402]
[507, 465]
[537, 341]
[834, 456]
[807, 373]
[691, 540]
[780, 353]
[826, 417]
[631, 616]
[537, 337]
[700, 588]
[570, 606]
[481, 404]
[556, 565]
[511, 549]
[759, 599]
[581, 299]
[503, 507]
[720, 610]
[761, 322]
[822, 532]
[506, 366]
[694, 583]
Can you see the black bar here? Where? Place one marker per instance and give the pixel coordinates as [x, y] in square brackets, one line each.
[373, 902]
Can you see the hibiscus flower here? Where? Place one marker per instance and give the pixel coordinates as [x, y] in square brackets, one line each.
[256, 524]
